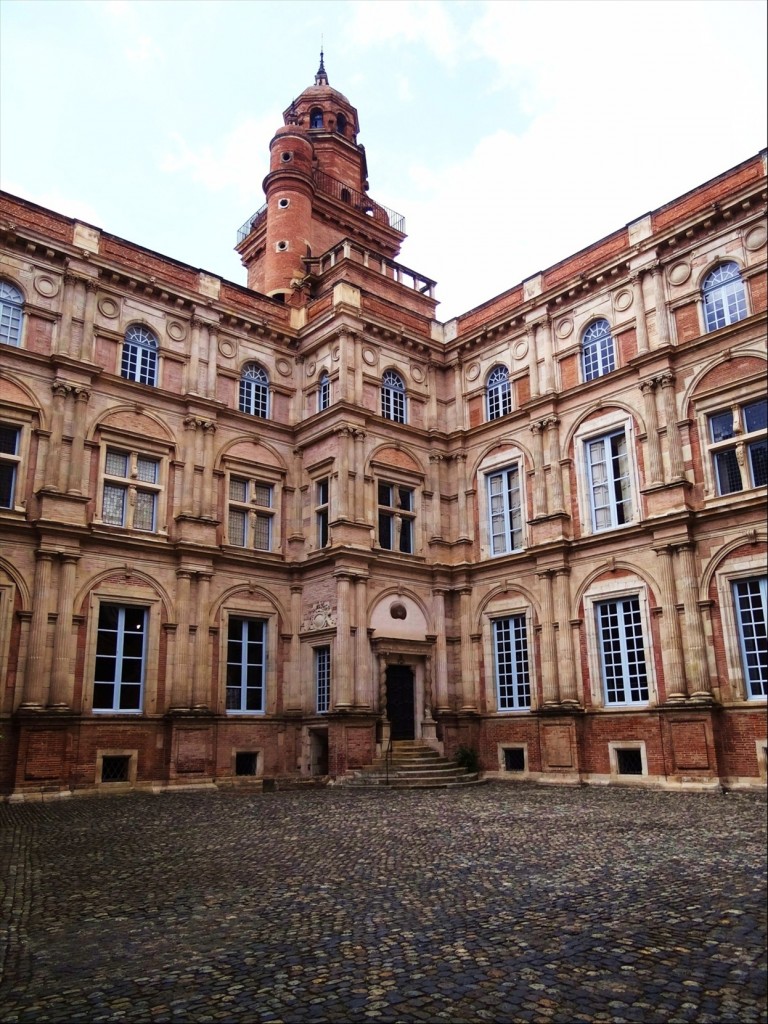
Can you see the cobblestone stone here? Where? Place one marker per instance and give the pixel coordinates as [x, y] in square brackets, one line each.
[493, 903]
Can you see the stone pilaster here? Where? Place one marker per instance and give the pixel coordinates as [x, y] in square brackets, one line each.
[64, 340]
[544, 345]
[182, 690]
[549, 681]
[662, 320]
[468, 691]
[533, 362]
[672, 650]
[674, 441]
[86, 351]
[202, 675]
[209, 432]
[190, 454]
[555, 469]
[440, 694]
[539, 481]
[641, 325]
[655, 466]
[363, 696]
[61, 676]
[35, 678]
[343, 643]
[342, 435]
[54, 460]
[697, 670]
[566, 664]
[461, 485]
[293, 697]
[436, 524]
[359, 510]
[213, 352]
[76, 462]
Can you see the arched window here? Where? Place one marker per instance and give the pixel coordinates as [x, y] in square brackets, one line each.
[598, 352]
[725, 298]
[254, 391]
[324, 392]
[11, 305]
[139, 361]
[499, 394]
[316, 118]
[341, 124]
[393, 397]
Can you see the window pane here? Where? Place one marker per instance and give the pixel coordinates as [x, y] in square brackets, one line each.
[237, 527]
[262, 495]
[262, 532]
[322, 528]
[511, 652]
[323, 678]
[103, 696]
[721, 425]
[7, 481]
[116, 463]
[238, 489]
[147, 470]
[9, 440]
[756, 416]
[758, 453]
[727, 471]
[623, 655]
[406, 536]
[114, 505]
[385, 531]
[751, 599]
[405, 499]
[385, 495]
[144, 511]
[130, 698]
[322, 492]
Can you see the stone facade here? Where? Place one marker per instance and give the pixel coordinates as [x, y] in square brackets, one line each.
[259, 532]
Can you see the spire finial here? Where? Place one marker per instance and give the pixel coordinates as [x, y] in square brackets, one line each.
[321, 78]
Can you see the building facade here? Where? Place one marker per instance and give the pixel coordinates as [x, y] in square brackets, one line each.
[259, 532]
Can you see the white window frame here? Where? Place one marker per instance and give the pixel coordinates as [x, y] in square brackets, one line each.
[321, 657]
[736, 571]
[123, 631]
[590, 432]
[396, 515]
[724, 302]
[521, 679]
[13, 460]
[131, 485]
[252, 510]
[258, 609]
[254, 393]
[614, 590]
[762, 590]
[506, 511]
[598, 350]
[11, 313]
[615, 745]
[323, 392]
[498, 396]
[142, 349]
[242, 625]
[130, 595]
[394, 399]
[322, 511]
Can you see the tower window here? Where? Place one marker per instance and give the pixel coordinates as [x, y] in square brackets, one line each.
[286, 157]
[341, 124]
[282, 246]
[283, 203]
[316, 118]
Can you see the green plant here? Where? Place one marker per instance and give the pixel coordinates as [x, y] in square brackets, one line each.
[468, 758]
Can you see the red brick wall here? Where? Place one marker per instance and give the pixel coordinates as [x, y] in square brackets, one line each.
[701, 197]
[757, 290]
[687, 322]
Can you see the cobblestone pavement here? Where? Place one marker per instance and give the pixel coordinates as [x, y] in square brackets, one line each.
[495, 903]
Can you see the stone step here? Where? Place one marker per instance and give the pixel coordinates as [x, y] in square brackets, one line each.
[369, 781]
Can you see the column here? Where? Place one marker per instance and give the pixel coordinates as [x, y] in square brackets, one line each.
[382, 689]
[76, 466]
[539, 480]
[359, 362]
[468, 696]
[193, 366]
[545, 335]
[343, 491]
[662, 322]
[209, 432]
[86, 351]
[555, 469]
[35, 679]
[672, 652]
[298, 481]
[293, 700]
[65, 324]
[343, 337]
[461, 484]
[213, 351]
[61, 680]
[641, 326]
[436, 524]
[343, 647]
[655, 465]
[54, 460]
[696, 667]
[188, 478]
[440, 692]
[363, 697]
[549, 685]
[458, 396]
[533, 361]
[359, 516]
[674, 441]
[432, 423]
[566, 664]
[202, 685]
[75, 339]
[182, 695]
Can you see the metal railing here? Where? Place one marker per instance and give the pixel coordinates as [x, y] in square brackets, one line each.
[346, 249]
[387, 761]
[250, 224]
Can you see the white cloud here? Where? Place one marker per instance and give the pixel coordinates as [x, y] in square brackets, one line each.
[144, 49]
[53, 199]
[425, 22]
[234, 162]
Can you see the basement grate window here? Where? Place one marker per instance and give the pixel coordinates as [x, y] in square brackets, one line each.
[245, 762]
[629, 761]
[514, 759]
[114, 768]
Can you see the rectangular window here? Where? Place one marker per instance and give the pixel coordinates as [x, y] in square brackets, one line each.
[620, 637]
[246, 665]
[610, 488]
[513, 683]
[396, 518]
[9, 461]
[249, 524]
[739, 447]
[751, 602]
[120, 658]
[323, 679]
[131, 490]
[322, 499]
[505, 511]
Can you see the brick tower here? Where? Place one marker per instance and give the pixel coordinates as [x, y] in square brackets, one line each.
[316, 194]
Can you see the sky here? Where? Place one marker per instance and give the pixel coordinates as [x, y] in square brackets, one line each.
[510, 134]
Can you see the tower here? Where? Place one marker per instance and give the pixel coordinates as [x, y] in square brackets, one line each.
[316, 194]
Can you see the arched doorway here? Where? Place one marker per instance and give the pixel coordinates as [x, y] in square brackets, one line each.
[401, 710]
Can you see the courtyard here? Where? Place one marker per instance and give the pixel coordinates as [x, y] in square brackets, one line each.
[491, 903]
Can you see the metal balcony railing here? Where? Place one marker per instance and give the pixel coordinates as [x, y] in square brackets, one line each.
[337, 190]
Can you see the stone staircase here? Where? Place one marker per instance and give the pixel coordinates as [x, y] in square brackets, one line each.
[413, 765]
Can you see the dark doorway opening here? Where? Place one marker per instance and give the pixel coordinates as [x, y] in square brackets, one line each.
[400, 707]
[318, 752]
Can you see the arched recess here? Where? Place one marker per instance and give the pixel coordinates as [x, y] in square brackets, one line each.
[136, 421]
[254, 594]
[606, 570]
[501, 592]
[18, 581]
[400, 457]
[721, 557]
[245, 448]
[14, 392]
[124, 575]
[733, 357]
[386, 618]
[507, 442]
[602, 409]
